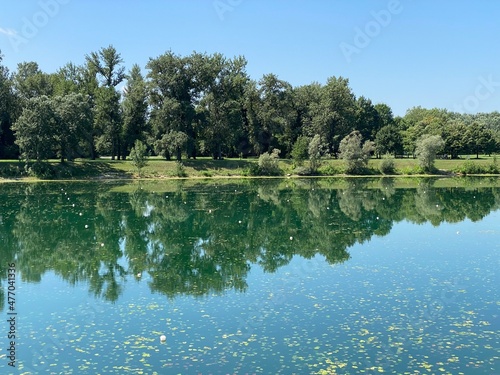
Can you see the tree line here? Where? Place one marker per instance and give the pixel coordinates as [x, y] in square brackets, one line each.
[207, 105]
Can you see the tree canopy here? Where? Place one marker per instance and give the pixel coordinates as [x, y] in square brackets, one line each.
[207, 105]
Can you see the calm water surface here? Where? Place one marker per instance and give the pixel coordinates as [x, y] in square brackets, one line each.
[270, 277]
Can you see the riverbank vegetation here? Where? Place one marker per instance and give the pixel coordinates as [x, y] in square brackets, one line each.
[200, 109]
[206, 167]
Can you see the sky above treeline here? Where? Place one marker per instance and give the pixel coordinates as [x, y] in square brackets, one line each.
[404, 53]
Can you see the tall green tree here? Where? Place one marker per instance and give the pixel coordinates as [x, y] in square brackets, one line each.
[9, 110]
[389, 141]
[108, 122]
[427, 148]
[480, 139]
[30, 82]
[355, 153]
[173, 92]
[335, 114]
[275, 114]
[74, 125]
[36, 129]
[455, 138]
[139, 155]
[135, 109]
[385, 114]
[107, 65]
[223, 101]
[368, 121]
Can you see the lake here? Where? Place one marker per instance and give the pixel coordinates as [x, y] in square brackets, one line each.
[285, 276]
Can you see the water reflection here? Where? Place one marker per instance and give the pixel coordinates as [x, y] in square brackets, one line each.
[205, 239]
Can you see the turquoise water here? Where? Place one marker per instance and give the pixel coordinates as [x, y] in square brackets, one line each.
[276, 277]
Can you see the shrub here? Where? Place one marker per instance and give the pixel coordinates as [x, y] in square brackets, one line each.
[427, 148]
[412, 170]
[139, 156]
[180, 170]
[41, 170]
[9, 170]
[303, 171]
[314, 151]
[330, 170]
[252, 170]
[269, 163]
[387, 165]
[355, 156]
[300, 150]
[470, 167]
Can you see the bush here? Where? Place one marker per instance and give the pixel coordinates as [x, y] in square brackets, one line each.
[303, 171]
[470, 167]
[269, 164]
[139, 156]
[355, 155]
[387, 165]
[300, 150]
[330, 170]
[11, 171]
[252, 170]
[180, 170]
[412, 170]
[41, 170]
[314, 151]
[427, 148]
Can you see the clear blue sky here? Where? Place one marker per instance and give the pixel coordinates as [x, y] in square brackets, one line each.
[442, 54]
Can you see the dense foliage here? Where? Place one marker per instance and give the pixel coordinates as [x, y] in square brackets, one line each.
[201, 104]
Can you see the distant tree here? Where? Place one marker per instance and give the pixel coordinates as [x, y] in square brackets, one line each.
[480, 139]
[335, 114]
[368, 121]
[306, 101]
[420, 121]
[300, 149]
[172, 143]
[222, 103]
[108, 122]
[389, 140]
[314, 152]
[30, 82]
[9, 110]
[355, 154]
[454, 135]
[107, 63]
[36, 129]
[139, 156]
[173, 93]
[135, 108]
[385, 114]
[74, 125]
[427, 148]
[276, 114]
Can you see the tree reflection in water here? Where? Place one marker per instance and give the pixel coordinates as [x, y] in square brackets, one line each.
[205, 239]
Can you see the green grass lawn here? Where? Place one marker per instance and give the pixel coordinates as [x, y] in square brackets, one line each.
[159, 168]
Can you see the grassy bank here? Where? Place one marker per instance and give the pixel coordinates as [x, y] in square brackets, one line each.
[158, 168]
